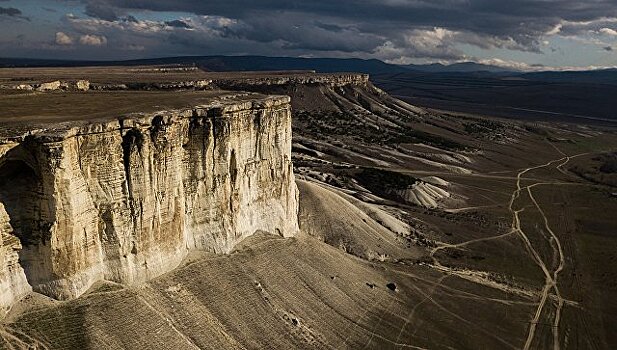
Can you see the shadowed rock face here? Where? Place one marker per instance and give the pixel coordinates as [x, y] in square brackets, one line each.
[13, 284]
[126, 200]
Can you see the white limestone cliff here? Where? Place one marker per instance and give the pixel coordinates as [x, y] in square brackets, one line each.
[13, 282]
[125, 200]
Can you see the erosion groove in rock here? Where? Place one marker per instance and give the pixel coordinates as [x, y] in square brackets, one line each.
[126, 199]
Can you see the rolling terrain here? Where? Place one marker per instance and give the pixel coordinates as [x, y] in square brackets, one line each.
[419, 229]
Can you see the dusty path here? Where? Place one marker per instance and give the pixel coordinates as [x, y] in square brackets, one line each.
[550, 290]
[560, 300]
[550, 279]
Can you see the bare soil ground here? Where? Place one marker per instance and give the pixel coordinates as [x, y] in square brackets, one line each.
[275, 293]
[134, 74]
[520, 255]
[60, 106]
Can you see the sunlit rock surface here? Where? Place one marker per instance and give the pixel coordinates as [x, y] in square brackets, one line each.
[126, 199]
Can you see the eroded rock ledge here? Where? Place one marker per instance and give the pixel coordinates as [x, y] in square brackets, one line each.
[115, 79]
[341, 79]
[126, 199]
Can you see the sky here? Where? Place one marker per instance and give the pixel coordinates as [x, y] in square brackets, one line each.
[522, 34]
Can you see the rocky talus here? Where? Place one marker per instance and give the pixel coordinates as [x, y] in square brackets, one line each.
[126, 199]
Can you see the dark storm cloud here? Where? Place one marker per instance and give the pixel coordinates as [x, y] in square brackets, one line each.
[176, 23]
[387, 29]
[12, 12]
[329, 27]
[519, 17]
[102, 10]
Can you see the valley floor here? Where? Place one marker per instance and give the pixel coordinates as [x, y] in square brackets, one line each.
[542, 281]
[419, 230]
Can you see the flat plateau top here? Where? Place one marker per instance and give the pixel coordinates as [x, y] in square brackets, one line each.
[134, 74]
[62, 106]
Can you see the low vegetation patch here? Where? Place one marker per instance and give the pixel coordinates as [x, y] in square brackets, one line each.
[601, 169]
[347, 124]
[379, 179]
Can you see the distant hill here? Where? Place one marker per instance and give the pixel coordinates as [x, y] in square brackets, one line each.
[264, 63]
[326, 65]
[462, 67]
[231, 63]
[466, 70]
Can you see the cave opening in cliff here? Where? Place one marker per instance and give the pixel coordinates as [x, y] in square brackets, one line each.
[21, 193]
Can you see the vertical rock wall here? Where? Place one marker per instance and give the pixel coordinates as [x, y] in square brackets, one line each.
[13, 283]
[125, 200]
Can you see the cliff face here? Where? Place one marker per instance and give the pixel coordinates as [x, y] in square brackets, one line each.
[254, 83]
[247, 83]
[13, 283]
[125, 200]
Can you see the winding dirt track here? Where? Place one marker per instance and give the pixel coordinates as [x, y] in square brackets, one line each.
[550, 290]
[550, 279]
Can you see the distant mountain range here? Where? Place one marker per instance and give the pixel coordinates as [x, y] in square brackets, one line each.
[260, 63]
[462, 67]
[328, 65]
[232, 63]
